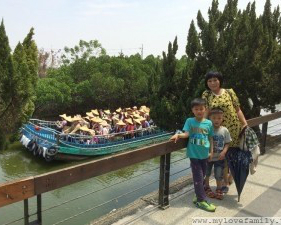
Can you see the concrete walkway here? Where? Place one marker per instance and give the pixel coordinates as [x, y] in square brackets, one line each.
[261, 197]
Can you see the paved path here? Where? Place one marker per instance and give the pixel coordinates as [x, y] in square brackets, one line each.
[261, 197]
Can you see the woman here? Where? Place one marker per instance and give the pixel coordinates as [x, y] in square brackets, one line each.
[226, 99]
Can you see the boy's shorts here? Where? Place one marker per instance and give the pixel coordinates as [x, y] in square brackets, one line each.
[219, 166]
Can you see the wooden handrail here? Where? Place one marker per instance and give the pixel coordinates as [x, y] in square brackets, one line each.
[263, 119]
[18, 190]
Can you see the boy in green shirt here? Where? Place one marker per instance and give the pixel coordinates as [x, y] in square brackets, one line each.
[199, 149]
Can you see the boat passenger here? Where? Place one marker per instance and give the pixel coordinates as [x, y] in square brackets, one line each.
[144, 123]
[150, 121]
[138, 128]
[121, 127]
[105, 128]
[63, 123]
[114, 125]
[104, 132]
[130, 128]
[74, 126]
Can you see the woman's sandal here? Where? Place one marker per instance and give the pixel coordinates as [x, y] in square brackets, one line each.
[209, 192]
[219, 194]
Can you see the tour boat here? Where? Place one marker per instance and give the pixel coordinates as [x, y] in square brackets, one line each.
[44, 140]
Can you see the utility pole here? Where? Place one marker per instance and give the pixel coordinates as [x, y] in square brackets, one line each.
[121, 53]
[142, 51]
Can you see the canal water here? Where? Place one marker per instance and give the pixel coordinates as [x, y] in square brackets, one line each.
[17, 162]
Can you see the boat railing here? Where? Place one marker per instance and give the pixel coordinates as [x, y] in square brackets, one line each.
[38, 132]
[108, 138]
[44, 123]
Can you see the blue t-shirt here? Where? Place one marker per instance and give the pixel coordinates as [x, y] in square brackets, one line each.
[199, 132]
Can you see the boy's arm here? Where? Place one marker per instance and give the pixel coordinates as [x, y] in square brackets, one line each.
[211, 148]
[177, 136]
[224, 151]
[227, 139]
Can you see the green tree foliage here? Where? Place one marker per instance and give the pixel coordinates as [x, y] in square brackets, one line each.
[94, 81]
[18, 78]
[244, 48]
[84, 50]
[167, 105]
[6, 83]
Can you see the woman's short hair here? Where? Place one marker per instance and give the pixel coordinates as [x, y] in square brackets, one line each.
[212, 74]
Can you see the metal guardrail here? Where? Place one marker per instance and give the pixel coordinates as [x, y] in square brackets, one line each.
[24, 189]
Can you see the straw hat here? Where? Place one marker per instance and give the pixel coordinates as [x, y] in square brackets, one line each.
[103, 123]
[136, 115]
[95, 112]
[137, 121]
[76, 118]
[107, 112]
[87, 117]
[107, 119]
[84, 128]
[115, 118]
[90, 114]
[68, 118]
[141, 118]
[97, 120]
[130, 121]
[121, 123]
[128, 109]
[63, 116]
[118, 110]
[141, 111]
[147, 110]
[135, 107]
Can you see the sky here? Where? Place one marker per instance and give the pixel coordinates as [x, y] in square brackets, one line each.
[125, 25]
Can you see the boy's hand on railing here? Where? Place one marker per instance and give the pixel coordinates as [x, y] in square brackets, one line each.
[174, 138]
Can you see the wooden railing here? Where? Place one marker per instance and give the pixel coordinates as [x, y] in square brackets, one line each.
[24, 189]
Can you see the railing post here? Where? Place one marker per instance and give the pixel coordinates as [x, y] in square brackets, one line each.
[58, 139]
[26, 215]
[263, 137]
[39, 212]
[39, 209]
[164, 181]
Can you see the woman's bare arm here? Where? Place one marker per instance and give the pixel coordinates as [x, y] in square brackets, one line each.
[241, 117]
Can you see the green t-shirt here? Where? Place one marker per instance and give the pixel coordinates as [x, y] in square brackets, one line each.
[198, 143]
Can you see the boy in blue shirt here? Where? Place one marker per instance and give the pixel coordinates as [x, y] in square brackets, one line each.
[221, 143]
[199, 149]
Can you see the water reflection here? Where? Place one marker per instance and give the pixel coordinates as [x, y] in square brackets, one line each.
[17, 162]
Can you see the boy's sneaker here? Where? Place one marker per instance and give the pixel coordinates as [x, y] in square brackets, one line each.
[206, 206]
